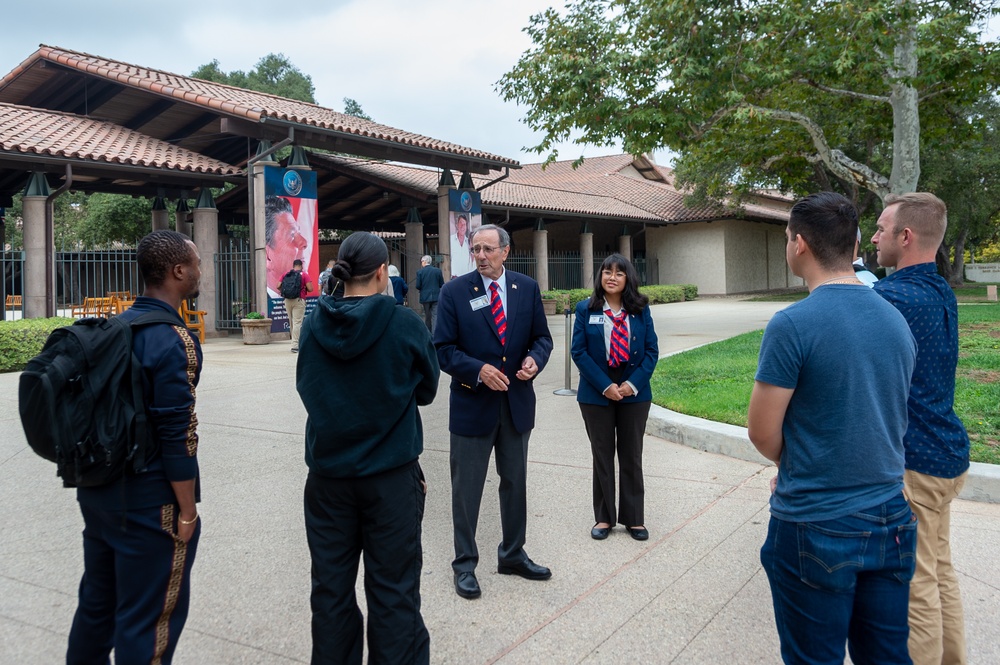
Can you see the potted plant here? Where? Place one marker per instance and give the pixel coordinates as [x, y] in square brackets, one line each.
[256, 329]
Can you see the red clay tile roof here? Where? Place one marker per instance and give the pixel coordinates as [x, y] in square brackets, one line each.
[239, 102]
[36, 131]
[596, 188]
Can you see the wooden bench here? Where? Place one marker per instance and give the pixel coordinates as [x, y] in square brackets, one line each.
[194, 319]
[103, 307]
[13, 302]
[122, 305]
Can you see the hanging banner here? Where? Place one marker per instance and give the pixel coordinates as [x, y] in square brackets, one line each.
[465, 213]
[292, 232]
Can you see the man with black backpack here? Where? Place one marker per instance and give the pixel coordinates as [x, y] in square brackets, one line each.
[141, 531]
[294, 286]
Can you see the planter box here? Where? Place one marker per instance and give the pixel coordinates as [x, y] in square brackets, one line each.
[256, 331]
[549, 305]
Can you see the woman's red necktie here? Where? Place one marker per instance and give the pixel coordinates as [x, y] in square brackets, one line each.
[618, 354]
[496, 306]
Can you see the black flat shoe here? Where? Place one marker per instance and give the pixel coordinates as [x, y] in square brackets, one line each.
[638, 533]
[600, 533]
[467, 586]
[527, 569]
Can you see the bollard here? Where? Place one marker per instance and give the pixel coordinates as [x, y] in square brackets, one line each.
[991, 292]
[566, 389]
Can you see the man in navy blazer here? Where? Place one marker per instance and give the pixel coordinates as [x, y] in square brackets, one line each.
[492, 339]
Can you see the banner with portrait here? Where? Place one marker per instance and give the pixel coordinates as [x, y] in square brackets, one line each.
[465, 215]
[292, 232]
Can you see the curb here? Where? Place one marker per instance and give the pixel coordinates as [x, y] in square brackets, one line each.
[982, 484]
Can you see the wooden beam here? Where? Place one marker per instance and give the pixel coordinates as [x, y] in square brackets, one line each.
[150, 113]
[191, 127]
[96, 98]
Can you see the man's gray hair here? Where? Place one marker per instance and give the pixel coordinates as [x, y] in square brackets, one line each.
[426, 258]
[504, 236]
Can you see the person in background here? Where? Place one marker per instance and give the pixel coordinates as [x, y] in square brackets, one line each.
[910, 230]
[365, 366]
[325, 275]
[429, 283]
[296, 307]
[399, 286]
[615, 349]
[839, 553]
[864, 275]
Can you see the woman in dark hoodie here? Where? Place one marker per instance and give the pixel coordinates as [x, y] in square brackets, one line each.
[364, 366]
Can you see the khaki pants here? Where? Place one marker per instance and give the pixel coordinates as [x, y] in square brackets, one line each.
[937, 626]
[296, 311]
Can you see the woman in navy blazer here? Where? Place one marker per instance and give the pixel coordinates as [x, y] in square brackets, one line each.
[614, 346]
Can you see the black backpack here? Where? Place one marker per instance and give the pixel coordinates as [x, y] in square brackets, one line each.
[81, 401]
[291, 285]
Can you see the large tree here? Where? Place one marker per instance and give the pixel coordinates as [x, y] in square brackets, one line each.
[274, 74]
[757, 93]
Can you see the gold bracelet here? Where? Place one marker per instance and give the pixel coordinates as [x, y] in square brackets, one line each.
[185, 522]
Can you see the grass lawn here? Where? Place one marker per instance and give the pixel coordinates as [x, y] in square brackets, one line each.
[715, 381]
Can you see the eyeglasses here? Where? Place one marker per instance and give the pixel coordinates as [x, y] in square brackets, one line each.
[485, 249]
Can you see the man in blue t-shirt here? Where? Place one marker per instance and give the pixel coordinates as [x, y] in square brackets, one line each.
[829, 407]
[908, 235]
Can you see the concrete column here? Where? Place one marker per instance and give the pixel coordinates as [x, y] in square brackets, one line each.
[161, 218]
[446, 184]
[414, 251]
[182, 218]
[259, 240]
[541, 247]
[36, 257]
[587, 256]
[206, 238]
[625, 245]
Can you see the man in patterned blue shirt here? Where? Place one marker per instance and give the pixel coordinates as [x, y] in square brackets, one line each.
[909, 233]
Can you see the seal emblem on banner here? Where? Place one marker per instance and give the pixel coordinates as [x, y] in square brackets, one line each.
[292, 183]
[465, 200]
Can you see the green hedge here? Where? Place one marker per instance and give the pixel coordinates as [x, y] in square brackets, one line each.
[657, 293]
[20, 341]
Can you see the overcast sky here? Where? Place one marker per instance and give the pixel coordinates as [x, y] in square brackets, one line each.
[425, 66]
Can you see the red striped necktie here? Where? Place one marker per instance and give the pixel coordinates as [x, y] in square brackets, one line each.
[496, 306]
[618, 354]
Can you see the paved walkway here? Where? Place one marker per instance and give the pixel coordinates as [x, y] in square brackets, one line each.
[693, 593]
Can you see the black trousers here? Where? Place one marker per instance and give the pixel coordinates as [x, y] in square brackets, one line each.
[380, 518]
[617, 427]
[136, 586]
[470, 460]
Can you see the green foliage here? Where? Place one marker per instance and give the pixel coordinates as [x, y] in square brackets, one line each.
[274, 74]
[22, 340]
[778, 93]
[254, 315]
[657, 294]
[663, 293]
[352, 107]
[715, 381]
[114, 218]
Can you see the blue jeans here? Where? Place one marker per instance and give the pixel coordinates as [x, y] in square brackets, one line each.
[843, 580]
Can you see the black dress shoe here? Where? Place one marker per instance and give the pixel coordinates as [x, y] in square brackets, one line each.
[527, 569]
[638, 533]
[467, 586]
[599, 532]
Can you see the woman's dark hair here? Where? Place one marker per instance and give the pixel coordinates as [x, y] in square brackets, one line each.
[633, 302]
[360, 256]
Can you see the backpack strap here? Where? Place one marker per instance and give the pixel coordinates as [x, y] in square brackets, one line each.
[141, 419]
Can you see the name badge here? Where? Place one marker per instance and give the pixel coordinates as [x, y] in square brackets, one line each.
[596, 319]
[479, 303]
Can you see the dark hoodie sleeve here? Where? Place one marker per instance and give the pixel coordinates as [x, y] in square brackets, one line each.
[426, 366]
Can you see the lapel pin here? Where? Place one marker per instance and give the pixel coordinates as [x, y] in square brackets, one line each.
[513, 286]
[476, 289]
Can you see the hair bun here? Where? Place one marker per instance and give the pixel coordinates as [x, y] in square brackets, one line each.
[342, 270]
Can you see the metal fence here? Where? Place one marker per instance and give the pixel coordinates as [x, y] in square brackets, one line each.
[93, 274]
[12, 284]
[523, 262]
[565, 270]
[232, 283]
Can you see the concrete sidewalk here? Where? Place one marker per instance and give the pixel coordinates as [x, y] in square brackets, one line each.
[693, 593]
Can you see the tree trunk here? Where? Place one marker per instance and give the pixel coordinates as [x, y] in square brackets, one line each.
[957, 276]
[905, 112]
